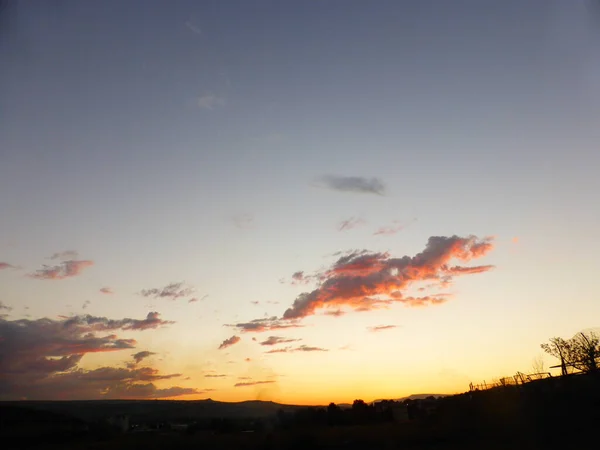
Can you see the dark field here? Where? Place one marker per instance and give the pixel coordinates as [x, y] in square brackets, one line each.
[553, 413]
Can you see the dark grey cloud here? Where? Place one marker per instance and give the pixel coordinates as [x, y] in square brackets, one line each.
[264, 324]
[253, 383]
[274, 340]
[140, 356]
[229, 342]
[171, 291]
[381, 328]
[352, 184]
[66, 255]
[302, 348]
[39, 359]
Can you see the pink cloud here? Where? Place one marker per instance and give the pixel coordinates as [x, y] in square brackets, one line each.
[66, 269]
[106, 290]
[364, 281]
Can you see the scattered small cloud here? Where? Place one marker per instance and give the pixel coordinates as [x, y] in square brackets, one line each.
[106, 290]
[350, 223]
[85, 304]
[66, 255]
[248, 359]
[381, 328]
[5, 265]
[172, 291]
[274, 340]
[335, 313]
[515, 240]
[215, 375]
[65, 269]
[264, 324]
[210, 101]
[255, 302]
[253, 383]
[229, 342]
[139, 356]
[352, 184]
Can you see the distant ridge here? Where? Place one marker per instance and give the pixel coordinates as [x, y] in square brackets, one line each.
[412, 397]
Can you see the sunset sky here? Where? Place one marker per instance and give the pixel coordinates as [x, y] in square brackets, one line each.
[297, 201]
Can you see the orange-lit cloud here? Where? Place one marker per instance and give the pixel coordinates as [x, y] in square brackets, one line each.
[65, 269]
[350, 223]
[265, 324]
[215, 375]
[515, 240]
[381, 328]
[363, 280]
[274, 340]
[172, 291]
[106, 290]
[229, 342]
[253, 383]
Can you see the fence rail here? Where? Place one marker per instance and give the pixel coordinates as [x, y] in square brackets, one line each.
[518, 378]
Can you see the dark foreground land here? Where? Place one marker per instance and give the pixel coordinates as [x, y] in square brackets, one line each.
[552, 413]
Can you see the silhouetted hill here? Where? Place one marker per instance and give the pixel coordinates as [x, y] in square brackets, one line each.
[156, 410]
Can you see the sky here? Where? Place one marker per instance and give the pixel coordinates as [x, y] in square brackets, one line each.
[301, 202]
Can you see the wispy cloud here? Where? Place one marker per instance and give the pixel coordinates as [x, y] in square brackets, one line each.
[350, 223]
[5, 265]
[193, 28]
[215, 375]
[211, 101]
[140, 356]
[265, 324]
[352, 184]
[253, 383]
[392, 229]
[365, 281]
[172, 291]
[66, 269]
[229, 342]
[243, 221]
[274, 340]
[86, 304]
[381, 328]
[106, 290]
[302, 348]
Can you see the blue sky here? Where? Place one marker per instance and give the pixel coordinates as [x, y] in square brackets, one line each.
[186, 142]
